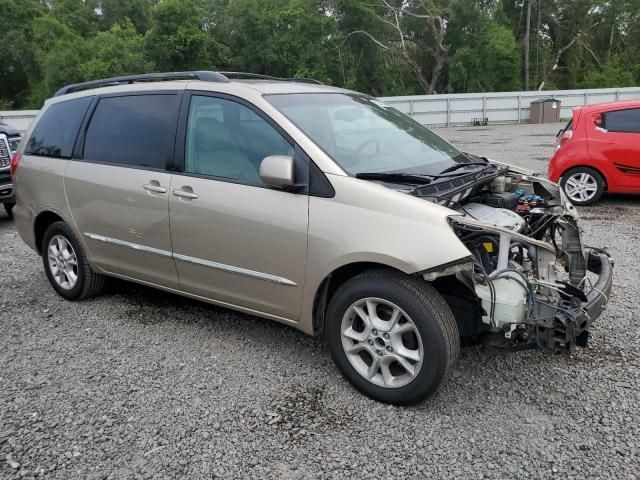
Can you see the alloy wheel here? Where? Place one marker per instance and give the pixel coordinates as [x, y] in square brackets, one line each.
[381, 342]
[63, 262]
[581, 187]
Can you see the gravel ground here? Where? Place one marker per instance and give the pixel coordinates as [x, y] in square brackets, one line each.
[141, 384]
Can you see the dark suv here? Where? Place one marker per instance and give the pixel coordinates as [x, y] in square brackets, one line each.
[9, 140]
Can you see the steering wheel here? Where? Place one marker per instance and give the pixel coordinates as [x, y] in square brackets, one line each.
[356, 157]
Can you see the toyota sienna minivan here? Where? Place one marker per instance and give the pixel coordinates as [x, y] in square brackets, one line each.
[317, 207]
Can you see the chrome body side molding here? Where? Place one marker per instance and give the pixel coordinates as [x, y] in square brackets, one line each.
[267, 277]
[122, 243]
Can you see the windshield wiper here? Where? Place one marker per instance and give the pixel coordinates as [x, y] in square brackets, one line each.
[463, 165]
[395, 177]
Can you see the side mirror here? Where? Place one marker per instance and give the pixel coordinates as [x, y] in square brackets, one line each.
[277, 171]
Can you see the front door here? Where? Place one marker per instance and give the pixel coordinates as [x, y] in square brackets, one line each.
[618, 141]
[119, 193]
[235, 240]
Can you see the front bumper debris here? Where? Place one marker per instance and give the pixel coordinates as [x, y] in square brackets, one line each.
[534, 293]
[600, 263]
[570, 327]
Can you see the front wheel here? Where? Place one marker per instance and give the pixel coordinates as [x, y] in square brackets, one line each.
[583, 185]
[392, 336]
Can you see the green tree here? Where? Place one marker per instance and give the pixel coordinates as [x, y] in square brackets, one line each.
[119, 11]
[415, 32]
[176, 39]
[119, 51]
[386, 47]
[58, 53]
[491, 64]
[279, 37]
[613, 73]
[80, 16]
[17, 62]
[63, 56]
[359, 63]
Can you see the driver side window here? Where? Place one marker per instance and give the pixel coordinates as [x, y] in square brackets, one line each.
[228, 140]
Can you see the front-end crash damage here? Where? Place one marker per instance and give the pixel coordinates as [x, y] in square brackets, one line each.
[528, 272]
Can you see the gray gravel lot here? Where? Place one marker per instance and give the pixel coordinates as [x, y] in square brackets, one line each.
[142, 384]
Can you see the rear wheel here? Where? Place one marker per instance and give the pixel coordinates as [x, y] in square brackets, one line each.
[583, 185]
[66, 265]
[392, 336]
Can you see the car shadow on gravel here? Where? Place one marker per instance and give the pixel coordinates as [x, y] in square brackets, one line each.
[147, 306]
[143, 304]
[298, 411]
[150, 306]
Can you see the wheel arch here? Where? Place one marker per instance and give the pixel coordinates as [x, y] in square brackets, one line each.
[332, 282]
[40, 225]
[464, 304]
[586, 165]
[462, 301]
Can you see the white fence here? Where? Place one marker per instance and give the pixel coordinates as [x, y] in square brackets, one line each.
[502, 107]
[454, 109]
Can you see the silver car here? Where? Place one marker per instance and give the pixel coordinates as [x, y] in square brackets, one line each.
[313, 206]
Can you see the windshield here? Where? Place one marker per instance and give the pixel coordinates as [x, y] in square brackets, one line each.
[365, 135]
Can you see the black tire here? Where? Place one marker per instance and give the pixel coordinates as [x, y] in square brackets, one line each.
[88, 282]
[8, 207]
[428, 311]
[597, 177]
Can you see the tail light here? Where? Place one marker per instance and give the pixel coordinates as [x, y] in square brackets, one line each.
[15, 161]
[564, 138]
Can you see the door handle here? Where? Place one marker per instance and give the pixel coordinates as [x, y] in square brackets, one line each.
[185, 193]
[154, 187]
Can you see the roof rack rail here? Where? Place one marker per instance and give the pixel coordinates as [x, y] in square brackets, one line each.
[206, 76]
[258, 76]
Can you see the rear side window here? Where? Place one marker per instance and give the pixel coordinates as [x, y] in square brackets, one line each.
[56, 131]
[623, 121]
[136, 130]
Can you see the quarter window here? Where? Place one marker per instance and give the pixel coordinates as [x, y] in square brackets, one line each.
[135, 130]
[623, 120]
[228, 140]
[56, 131]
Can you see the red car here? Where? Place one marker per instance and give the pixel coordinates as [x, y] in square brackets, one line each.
[598, 151]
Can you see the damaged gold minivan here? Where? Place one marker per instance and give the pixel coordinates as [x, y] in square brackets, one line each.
[317, 207]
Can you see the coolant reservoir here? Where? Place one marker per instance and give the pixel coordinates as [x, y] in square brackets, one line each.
[511, 302]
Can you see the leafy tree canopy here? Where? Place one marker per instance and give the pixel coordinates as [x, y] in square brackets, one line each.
[382, 47]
